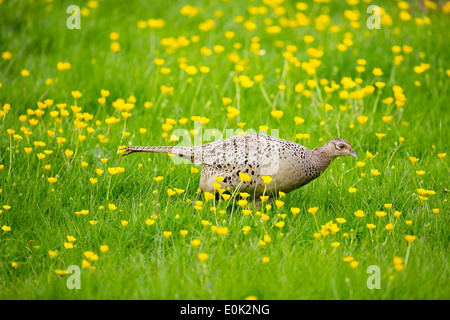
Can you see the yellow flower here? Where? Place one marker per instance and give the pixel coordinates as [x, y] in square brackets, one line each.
[442, 155]
[52, 254]
[91, 256]
[244, 177]
[83, 212]
[191, 70]
[377, 72]
[115, 46]
[6, 55]
[85, 264]
[267, 239]
[179, 191]
[226, 196]
[420, 172]
[68, 245]
[222, 231]
[265, 259]
[203, 257]
[369, 155]
[216, 186]
[313, 210]
[410, 239]
[328, 107]
[422, 192]
[158, 179]
[184, 232]
[277, 114]
[112, 171]
[279, 203]
[360, 164]
[76, 94]
[258, 78]
[104, 248]
[348, 259]
[389, 226]
[52, 180]
[379, 84]
[399, 266]
[354, 264]
[6, 228]
[68, 153]
[196, 242]
[352, 190]
[280, 224]
[413, 159]
[267, 179]
[246, 212]
[298, 120]
[380, 214]
[124, 223]
[112, 206]
[335, 244]
[380, 135]
[341, 220]
[295, 211]
[246, 229]
[387, 119]
[205, 223]
[375, 172]
[242, 203]
[167, 234]
[371, 226]
[60, 272]
[398, 260]
[194, 170]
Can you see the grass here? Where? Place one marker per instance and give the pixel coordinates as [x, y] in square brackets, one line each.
[141, 262]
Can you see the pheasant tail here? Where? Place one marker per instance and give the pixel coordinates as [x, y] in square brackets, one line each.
[184, 152]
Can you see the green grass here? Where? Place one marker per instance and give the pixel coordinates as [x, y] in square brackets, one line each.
[141, 263]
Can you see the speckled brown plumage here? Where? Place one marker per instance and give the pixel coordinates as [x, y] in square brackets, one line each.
[291, 165]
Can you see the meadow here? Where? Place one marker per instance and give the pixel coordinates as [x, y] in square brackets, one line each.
[166, 72]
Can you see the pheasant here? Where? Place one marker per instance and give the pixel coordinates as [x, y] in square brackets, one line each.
[290, 165]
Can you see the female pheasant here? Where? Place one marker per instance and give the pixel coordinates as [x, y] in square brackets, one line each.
[289, 164]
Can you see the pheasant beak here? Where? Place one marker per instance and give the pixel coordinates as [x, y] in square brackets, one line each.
[353, 154]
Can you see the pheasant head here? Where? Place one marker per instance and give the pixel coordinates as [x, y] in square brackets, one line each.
[337, 147]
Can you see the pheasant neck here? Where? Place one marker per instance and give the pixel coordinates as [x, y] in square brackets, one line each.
[321, 159]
